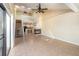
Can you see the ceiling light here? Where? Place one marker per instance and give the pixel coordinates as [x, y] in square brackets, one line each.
[16, 6]
[22, 7]
[29, 8]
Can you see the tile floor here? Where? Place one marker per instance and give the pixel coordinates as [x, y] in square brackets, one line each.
[38, 45]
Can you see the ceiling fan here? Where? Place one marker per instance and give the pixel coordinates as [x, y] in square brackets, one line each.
[39, 9]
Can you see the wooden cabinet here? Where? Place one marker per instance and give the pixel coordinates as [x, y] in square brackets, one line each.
[18, 28]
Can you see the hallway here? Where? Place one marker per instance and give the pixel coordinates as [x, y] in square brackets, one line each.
[38, 45]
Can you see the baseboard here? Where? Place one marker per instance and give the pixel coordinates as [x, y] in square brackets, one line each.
[53, 37]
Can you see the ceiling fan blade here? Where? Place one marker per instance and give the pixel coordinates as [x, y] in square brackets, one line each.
[44, 9]
[39, 9]
[34, 9]
[25, 12]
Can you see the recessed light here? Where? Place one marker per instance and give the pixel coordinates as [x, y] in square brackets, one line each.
[29, 8]
[22, 7]
[16, 6]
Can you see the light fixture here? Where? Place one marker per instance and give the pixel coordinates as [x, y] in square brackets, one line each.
[22, 7]
[17, 6]
[29, 8]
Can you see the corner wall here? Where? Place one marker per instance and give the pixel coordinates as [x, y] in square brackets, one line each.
[64, 27]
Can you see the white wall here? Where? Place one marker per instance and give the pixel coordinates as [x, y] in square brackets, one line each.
[24, 17]
[37, 20]
[64, 27]
[12, 30]
[8, 32]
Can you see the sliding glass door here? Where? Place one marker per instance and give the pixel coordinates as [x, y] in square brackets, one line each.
[5, 31]
[2, 30]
